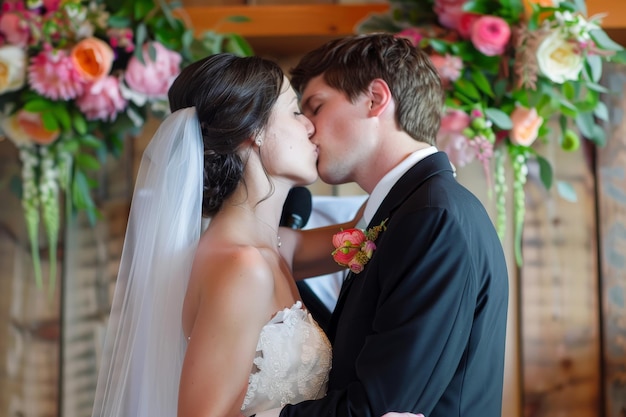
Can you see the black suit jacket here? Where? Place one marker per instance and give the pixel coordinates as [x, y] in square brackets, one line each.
[422, 327]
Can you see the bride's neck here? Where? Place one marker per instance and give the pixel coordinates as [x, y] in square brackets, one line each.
[257, 225]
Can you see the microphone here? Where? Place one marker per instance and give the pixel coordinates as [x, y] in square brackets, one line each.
[297, 208]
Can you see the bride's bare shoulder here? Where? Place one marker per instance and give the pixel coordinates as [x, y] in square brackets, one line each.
[225, 278]
[232, 265]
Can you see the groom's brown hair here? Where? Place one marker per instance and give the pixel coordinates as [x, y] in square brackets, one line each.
[350, 64]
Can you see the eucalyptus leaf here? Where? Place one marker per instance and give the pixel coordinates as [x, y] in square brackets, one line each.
[585, 123]
[597, 87]
[603, 41]
[141, 34]
[566, 191]
[499, 118]
[601, 111]
[545, 171]
[595, 65]
[598, 135]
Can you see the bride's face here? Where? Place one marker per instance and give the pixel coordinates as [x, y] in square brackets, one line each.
[287, 150]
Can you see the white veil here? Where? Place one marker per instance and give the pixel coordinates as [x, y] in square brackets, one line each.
[144, 344]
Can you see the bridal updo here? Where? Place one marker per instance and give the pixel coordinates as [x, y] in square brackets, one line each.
[233, 97]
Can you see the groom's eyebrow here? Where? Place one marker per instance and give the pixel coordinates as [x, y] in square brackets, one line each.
[306, 103]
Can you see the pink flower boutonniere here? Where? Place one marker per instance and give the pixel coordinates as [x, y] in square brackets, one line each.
[355, 247]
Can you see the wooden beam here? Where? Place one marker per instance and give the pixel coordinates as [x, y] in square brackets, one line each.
[614, 9]
[283, 20]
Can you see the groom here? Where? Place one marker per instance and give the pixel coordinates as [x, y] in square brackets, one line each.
[422, 327]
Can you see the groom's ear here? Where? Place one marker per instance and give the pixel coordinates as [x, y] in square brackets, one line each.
[380, 96]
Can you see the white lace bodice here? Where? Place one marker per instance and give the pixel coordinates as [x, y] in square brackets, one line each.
[292, 362]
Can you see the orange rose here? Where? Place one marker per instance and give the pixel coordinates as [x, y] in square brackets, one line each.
[526, 124]
[26, 127]
[92, 58]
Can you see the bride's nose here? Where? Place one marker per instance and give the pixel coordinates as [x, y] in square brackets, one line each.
[310, 127]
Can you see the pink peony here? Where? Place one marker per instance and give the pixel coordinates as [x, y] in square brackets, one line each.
[490, 35]
[14, 28]
[412, 34]
[155, 77]
[449, 67]
[451, 140]
[102, 100]
[52, 74]
[449, 12]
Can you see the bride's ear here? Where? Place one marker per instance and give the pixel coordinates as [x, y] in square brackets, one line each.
[380, 96]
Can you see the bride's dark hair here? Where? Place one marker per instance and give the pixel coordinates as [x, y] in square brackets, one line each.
[233, 97]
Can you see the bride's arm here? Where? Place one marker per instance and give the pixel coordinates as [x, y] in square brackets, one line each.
[233, 298]
[309, 251]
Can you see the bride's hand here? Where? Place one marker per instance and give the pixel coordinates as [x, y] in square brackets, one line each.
[395, 414]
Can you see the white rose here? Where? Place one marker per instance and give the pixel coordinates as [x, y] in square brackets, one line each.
[559, 59]
[12, 68]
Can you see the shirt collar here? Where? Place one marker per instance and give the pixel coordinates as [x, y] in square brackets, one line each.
[384, 185]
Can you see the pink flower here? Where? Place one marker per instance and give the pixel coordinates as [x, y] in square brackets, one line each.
[14, 28]
[449, 67]
[466, 22]
[51, 5]
[348, 243]
[526, 124]
[449, 12]
[368, 248]
[155, 77]
[52, 74]
[121, 38]
[102, 100]
[490, 35]
[354, 247]
[451, 140]
[412, 34]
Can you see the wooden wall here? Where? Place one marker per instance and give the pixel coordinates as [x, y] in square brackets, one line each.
[611, 178]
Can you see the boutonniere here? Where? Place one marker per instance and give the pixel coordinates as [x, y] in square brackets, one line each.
[355, 247]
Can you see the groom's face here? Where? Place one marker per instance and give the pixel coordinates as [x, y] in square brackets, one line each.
[340, 130]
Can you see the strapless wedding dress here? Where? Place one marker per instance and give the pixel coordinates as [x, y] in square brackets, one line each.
[292, 362]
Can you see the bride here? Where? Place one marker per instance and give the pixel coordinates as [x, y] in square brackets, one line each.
[206, 320]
